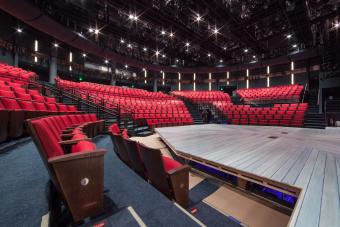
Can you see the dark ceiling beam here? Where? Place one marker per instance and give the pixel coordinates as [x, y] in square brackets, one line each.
[164, 18]
[238, 31]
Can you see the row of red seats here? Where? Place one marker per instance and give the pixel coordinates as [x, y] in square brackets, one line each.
[95, 89]
[279, 114]
[131, 102]
[202, 96]
[15, 72]
[75, 165]
[159, 122]
[166, 174]
[287, 92]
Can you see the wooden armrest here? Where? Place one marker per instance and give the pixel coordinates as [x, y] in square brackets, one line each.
[75, 156]
[71, 142]
[179, 179]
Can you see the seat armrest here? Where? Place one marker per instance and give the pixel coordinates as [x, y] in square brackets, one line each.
[67, 144]
[77, 156]
[179, 180]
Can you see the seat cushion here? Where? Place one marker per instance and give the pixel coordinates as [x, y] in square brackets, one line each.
[170, 164]
[83, 146]
[114, 129]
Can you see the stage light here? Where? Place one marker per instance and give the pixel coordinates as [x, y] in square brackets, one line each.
[19, 30]
[289, 36]
[294, 45]
[224, 48]
[35, 59]
[84, 55]
[145, 49]
[96, 31]
[122, 41]
[70, 68]
[221, 60]
[177, 60]
[171, 35]
[336, 25]
[245, 50]
[209, 55]
[163, 32]
[56, 45]
[187, 44]
[70, 57]
[254, 56]
[91, 30]
[126, 66]
[215, 31]
[157, 53]
[129, 45]
[131, 16]
[163, 56]
[106, 61]
[198, 18]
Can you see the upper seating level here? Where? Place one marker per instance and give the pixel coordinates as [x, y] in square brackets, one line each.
[94, 88]
[202, 96]
[16, 73]
[287, 93]
[158, 109]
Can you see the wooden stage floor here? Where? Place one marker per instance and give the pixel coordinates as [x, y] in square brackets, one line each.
[306, 159]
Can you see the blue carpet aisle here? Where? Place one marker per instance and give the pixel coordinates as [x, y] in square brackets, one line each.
[23, 187]
[24, 184]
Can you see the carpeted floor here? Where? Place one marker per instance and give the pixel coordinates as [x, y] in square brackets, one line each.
[24, 184]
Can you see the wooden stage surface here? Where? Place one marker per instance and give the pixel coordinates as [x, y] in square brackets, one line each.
[307, 159]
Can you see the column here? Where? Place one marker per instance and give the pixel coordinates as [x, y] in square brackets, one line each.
[53, 66]
[16, 59]
[155, 84]
[113, 74]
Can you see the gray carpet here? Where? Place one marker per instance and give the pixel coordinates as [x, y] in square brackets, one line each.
[24, 184]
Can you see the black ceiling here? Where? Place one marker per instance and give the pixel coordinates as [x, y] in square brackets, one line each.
[246, 30]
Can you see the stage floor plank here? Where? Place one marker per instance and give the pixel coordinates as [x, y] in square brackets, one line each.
[305, 158]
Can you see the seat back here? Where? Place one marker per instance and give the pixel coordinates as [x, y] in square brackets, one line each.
[123, 154]
[153, 162]
[135, 157]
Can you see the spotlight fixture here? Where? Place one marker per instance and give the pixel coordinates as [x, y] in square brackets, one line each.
[157, 53]
[129, 45]
[198, 18]
[163, 32]
[336, 25]
[221, 60]
[209, 55]
[126, 66]
[131, 16]
[215, 31]
[177, 60]
[224, 48]
[122, 41]
[294, 45]
[171, 34]
[163, 55]
[289, 36]
[91, 30]
[56, 45]
[106, 61]
[84, 55]
[254, 56]
[187, 44]
[245, 50]
[96, 31]
[145, 49]
[19, 30]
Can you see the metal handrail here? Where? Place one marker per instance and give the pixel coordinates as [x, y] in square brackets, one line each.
[304, 93]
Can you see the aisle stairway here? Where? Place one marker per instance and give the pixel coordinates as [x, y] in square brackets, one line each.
[193, 110]
[314, 119]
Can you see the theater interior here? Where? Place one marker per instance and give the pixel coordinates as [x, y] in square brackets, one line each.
[170, 113]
